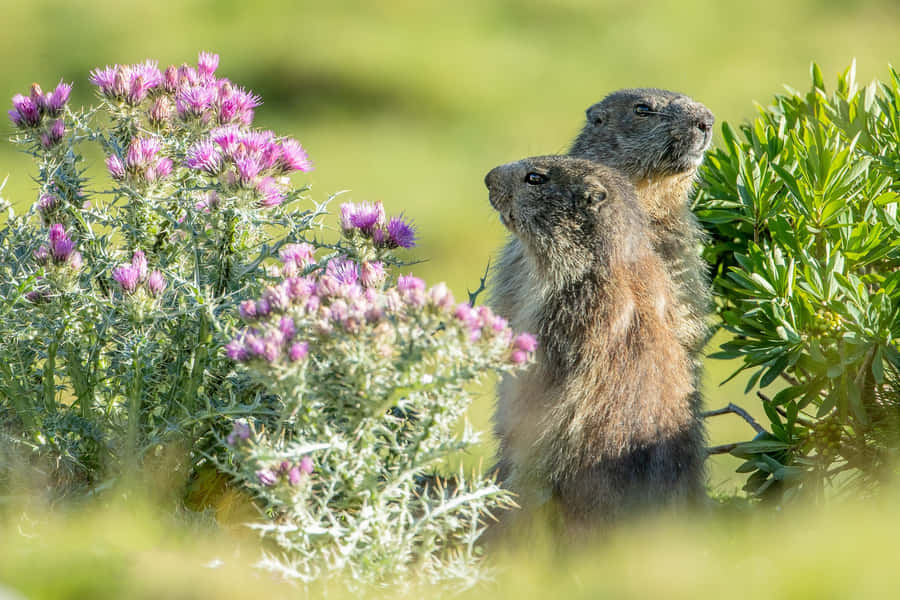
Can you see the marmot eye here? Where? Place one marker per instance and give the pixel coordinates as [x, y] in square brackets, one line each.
[642, 110]
[535, 178]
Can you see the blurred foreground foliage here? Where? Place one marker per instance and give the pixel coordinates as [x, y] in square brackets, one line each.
[801, 204]
[130, 549]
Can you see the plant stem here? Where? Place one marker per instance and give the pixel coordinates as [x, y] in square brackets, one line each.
[135, 393]
[734, 408]
[50, 378]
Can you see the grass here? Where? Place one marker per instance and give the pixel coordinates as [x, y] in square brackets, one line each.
[411, 104]
[130, 548]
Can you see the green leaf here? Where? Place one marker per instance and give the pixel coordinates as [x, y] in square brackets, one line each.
[878, 366]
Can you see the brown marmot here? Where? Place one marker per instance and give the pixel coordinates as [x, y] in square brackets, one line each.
[603, 421]
[657, 138]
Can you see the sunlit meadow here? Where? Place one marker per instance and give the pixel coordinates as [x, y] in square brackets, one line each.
[410, 106]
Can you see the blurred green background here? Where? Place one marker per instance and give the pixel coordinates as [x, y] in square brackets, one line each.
[411, 103]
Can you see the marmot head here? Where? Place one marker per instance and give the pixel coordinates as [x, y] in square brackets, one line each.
[646, 132]
[570, 213]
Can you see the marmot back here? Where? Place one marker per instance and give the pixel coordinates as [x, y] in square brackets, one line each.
[603, 421]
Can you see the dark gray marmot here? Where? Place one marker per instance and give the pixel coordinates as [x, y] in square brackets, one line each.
[603, 422]
[657, 139]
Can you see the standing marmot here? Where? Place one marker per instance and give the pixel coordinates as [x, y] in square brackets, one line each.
[657, 139]
[602, 422]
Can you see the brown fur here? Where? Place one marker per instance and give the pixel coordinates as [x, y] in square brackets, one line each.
[603, 421]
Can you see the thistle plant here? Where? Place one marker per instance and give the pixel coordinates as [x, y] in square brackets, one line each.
[180, 297]
[802, 207]
[372, 374]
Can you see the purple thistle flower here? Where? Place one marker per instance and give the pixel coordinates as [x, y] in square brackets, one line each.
[161, 170]
[141, 152]
[57, 99]
[299, 289]
[400, 233]
[236, 104]
[247, 310]
[287, 328]
[61, 249]
[277, 298]
[469, 317]
[47, 203]
[255, 346]
[205, 156]
[367, 216]
[61, 246]
[271, 351]
[293, 157]
[272, 195]
[345, 271]
[412, 290]
[187, 76]
[235, 351]
[525, 342]
[160, 111]
[127, 277]
[248, 168]
[116, 167]
[57, 232]
[363, 216]
[42, 255]
[519, 357]
[306, 465]
[338, 311]
[408, 283]
[15, 117]
[139, 264]
[170, 79]
[298, 351]
[54, 134]
[498, 323]
[441, 296]
[299, 254]
[137, 90]
[148, 72]
[227, 138]
[194, 101]
[28, 111]
[207, 63]
[105, 79]
[267, 477]
[156, 283]
[76, 260]
[372, 274]
[240, 432]
[295, 475]
[260, 142]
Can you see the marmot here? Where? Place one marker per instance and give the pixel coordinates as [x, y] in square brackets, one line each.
[657, 138]
[603, 421]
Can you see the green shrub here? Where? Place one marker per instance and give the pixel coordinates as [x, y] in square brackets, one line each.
[801, 204]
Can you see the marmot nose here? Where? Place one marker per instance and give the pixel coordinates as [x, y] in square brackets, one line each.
[491, 177]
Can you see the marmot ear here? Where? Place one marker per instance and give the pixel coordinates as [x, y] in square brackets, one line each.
[595, 115]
